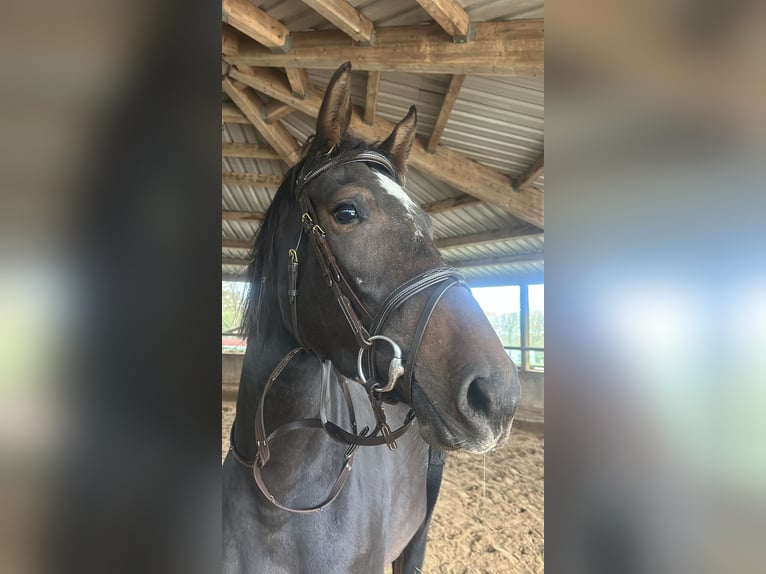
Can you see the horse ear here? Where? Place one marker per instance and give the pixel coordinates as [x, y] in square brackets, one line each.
[399, 143]
[335, 113]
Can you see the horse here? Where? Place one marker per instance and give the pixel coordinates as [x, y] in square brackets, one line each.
[367, 359]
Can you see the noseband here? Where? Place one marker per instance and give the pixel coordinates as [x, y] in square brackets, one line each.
[351, 306]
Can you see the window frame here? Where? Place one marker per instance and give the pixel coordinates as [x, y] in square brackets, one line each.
[525, 347]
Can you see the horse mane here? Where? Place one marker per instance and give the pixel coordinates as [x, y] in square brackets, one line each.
[264, 255]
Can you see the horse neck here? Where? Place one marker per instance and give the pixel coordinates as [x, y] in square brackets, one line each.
[292, 396]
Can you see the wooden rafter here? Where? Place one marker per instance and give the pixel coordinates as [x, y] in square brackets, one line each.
[512, 49]
[444, 113]
[256, 179]
[445, 243]
[257, 24]
[442, 205]
[275, 111]
[231, 114]
[532, 257]
[256, 151]
[242, 216]
[229, 40]
[299, 81]
[371, 101]
[431, 208]
[276, 134]
[482, 237]
[446, 165]
[347, 18]
[450, 16]
[236, 243]
[531, 175]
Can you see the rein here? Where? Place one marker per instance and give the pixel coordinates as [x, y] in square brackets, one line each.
[443, 278]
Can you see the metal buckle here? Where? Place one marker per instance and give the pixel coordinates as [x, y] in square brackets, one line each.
[395, 368]
[293, 255]
[306, 219]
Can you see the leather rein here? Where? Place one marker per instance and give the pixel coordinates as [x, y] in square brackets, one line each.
[443, 278]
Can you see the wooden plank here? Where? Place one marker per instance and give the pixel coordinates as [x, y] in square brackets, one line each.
[483, 237]
[532, 257]
[242, 216]
[236, 243]
[444, 113]
[512, 49]
[256, 151]
[256, 179]
[445, 165]
[531, 175]
[450, 16]
[299, 81]
[229, 40]
[255, 23]
[347, 18]
[275, 111]
[276, 134]
[371, 101]
[231, 114]
[450, 203]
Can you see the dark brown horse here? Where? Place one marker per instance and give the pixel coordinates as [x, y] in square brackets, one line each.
[364, 352]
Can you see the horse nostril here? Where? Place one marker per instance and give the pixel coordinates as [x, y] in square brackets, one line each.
[482, 395]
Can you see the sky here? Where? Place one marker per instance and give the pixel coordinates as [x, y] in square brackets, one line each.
[506, 299]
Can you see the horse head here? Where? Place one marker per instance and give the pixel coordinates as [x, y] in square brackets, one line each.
[462, 385]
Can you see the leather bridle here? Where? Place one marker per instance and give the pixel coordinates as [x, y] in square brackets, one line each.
[442, 278]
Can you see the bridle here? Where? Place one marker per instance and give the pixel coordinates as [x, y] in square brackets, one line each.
[442, 278]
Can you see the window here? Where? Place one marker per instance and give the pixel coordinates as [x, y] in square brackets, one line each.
[232, 294]
[517, 313]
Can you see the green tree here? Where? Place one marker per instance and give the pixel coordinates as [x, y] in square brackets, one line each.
[231, 305]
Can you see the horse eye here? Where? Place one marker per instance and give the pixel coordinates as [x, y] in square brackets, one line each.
[345, 213]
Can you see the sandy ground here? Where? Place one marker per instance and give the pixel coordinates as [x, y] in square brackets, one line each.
[489, 517]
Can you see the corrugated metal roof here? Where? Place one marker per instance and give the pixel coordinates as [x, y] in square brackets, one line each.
[496, 121]
[295, 15]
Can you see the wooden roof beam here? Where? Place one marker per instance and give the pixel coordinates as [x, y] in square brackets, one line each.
[257, 24]
[275, 111]
[528, 232]
[514, 48]
[255, 151]
[450, 203]
[532, 257]
[252, 216]
[371, 101]
[256, 179]
[445, 165]
[231, 114]
[450, 16]
[347, 18]
[235, 243]
[299, 81]
[444, 113]
[444, 243]
[229, 40]
[276, 134]
[530, 176]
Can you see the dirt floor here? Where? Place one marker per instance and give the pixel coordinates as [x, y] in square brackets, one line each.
[489, 517]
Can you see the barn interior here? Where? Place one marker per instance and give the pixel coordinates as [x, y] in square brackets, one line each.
[475, 72]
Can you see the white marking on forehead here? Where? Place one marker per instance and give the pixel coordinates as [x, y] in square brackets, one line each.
[396, 190]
